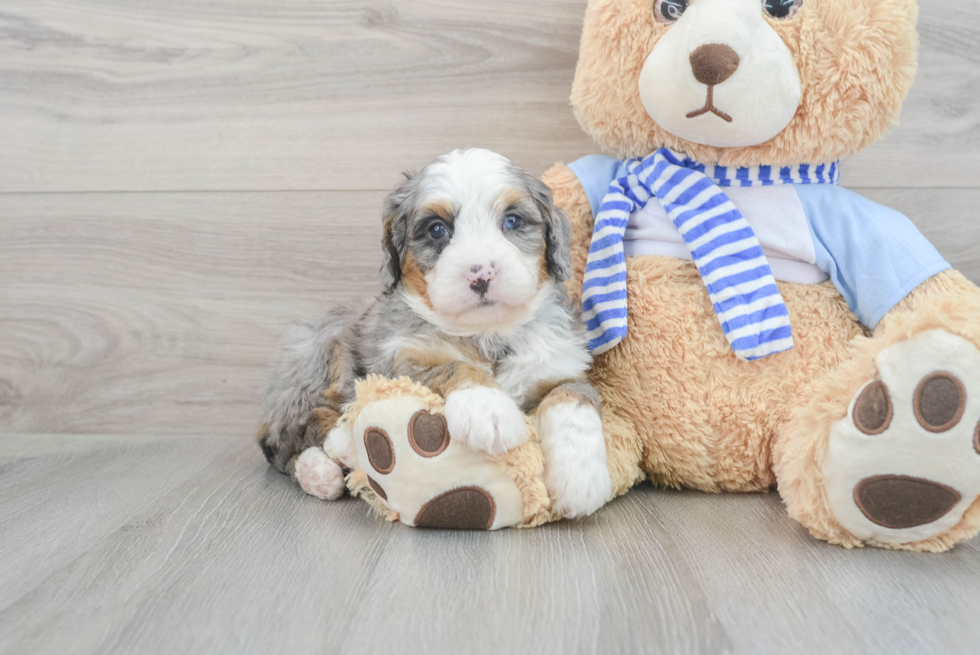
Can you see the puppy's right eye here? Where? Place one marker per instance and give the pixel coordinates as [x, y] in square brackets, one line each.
[438, 230]
[668, 11]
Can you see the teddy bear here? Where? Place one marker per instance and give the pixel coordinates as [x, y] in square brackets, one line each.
[755, 325]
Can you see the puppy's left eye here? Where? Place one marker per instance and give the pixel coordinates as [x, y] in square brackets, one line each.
[512, 222]
[438, 230]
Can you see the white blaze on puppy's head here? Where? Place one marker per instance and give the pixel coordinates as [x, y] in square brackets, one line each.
[473, 241]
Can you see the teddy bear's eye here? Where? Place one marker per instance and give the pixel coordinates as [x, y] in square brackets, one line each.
[668, 11]
[782, 9]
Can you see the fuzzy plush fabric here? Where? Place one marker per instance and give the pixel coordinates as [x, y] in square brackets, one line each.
[678, 408]
[522, 467]
[704, 420]
[855, 73]
[948, 302]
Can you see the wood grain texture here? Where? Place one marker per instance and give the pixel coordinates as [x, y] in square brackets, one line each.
[232, 557]
[63, 493]
[160, 313]
[117, 95]
[155, 313]
[181, 180]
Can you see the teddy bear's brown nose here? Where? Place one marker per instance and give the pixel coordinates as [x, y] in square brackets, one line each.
[714, 63]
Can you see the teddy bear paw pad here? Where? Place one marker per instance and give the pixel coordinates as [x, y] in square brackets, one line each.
[431, 480]
[904, 464]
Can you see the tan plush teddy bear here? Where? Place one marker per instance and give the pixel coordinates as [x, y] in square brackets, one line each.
[755, 324]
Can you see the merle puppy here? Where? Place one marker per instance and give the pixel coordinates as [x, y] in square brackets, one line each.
[473, 308]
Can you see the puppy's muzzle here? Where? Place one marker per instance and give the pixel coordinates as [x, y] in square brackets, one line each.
[480, 276]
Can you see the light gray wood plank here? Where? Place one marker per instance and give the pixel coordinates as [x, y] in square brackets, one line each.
[777, 590]
[237, 559]
[298, 94]
[615, 582]
[159, 313]
[148, 312]
[113, 95]
[61, 494]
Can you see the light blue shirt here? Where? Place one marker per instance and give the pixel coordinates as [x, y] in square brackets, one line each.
[874, 255]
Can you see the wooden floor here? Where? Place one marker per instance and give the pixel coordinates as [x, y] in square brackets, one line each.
[130, 544]
[180, 180]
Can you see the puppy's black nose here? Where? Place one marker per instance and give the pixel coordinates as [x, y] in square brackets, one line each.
[480, 286]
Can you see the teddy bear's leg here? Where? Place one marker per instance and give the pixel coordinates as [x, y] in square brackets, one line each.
[576, 467]
[410, 467]
[887, 452]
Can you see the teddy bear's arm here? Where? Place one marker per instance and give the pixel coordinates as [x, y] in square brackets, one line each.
[874, 255]
[948, 297]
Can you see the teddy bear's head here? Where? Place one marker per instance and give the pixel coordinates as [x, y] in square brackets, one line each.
[744, 82]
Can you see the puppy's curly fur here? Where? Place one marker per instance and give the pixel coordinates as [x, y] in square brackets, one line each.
[473, 308]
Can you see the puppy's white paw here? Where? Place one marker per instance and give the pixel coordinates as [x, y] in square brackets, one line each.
[576, 472]
[339, 448]
[485, 419]
[319, 475]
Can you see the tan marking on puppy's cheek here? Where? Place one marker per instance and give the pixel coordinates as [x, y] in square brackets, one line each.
[544, 276]
[414, 280]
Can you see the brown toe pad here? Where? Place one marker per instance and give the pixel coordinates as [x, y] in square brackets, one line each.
[380, 451]
[873, 409]
[465, 508]
[427, 434]
[899, 501]
[940, 401]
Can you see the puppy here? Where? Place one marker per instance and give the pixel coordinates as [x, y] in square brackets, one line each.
[473, 308]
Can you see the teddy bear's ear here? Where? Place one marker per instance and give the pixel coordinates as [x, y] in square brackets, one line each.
[558, 230]
[398, 206]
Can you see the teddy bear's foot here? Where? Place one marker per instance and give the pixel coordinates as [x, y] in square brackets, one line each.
[423, 476]
[319, 475]
[904, 465]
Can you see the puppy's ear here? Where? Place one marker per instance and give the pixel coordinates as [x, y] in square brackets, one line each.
[558, 230]
[559, 250]
[394, 239]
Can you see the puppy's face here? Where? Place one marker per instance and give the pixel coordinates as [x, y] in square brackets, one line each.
[472, 240]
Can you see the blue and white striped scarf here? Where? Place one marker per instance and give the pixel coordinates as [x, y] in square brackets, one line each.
[724, 247]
